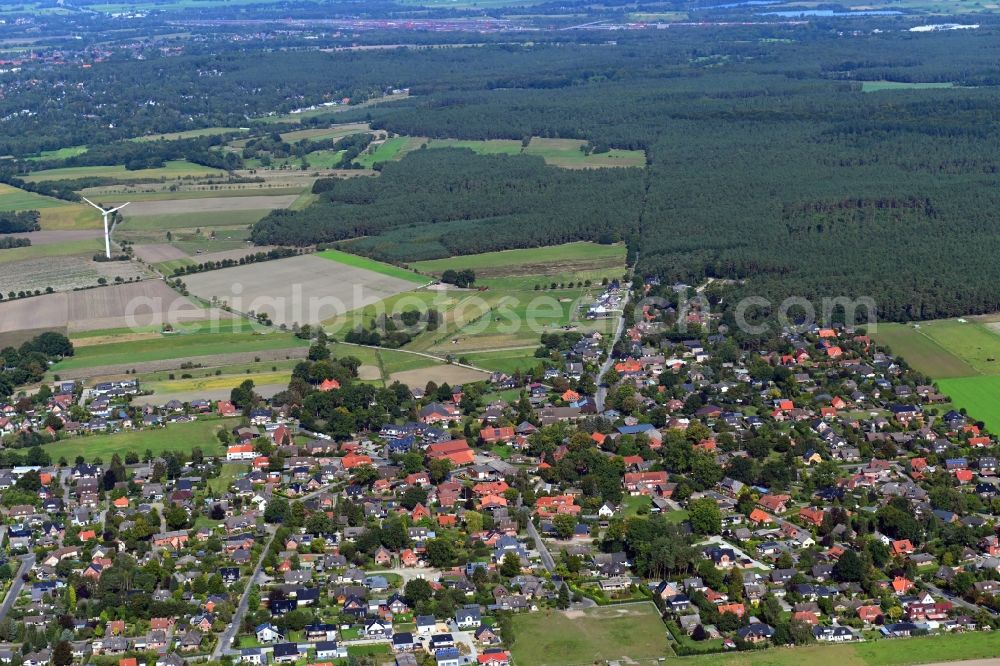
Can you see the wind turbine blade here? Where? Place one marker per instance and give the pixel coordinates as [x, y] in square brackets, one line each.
[92, 204]
[113, 210]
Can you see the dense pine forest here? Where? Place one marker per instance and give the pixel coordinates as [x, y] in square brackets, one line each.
[771, 157]
[767, 163]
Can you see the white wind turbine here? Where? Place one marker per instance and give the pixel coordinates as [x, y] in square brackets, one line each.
[105, 214]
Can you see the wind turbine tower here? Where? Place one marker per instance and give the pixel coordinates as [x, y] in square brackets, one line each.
[105, 214]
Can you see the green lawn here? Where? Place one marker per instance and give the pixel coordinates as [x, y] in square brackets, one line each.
[358, 261]
[178, 345]
[174, 437]
[877, 86]
[230, 472]
[632, 634]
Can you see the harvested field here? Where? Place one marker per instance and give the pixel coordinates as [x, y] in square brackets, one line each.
[157, 252]
[62, 273]
[452, 374]
[147, 303]
[204, 362]
[48, 237]
[206, 205]
[369, 372]
[304, 289]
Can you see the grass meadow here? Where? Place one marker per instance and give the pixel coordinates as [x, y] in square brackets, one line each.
[174, 437]
[178, 345]
[962, 355]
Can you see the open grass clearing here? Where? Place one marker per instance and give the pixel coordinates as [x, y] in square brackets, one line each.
[56, 214]
[567, 153]
[878, 86]
[60, 154]
[393, 148]
[631, 633]
[528, 267]
[171, 170]
[174, 437]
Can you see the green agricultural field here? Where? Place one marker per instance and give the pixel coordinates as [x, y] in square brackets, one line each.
[178, 345]
[171, 170]
[215, 218]
[12, 198]
[980, 395]
[358, 261]
[215, 382]
[921, 351]
[632, 634]
[877, 86]
[975, 341]
[174, 437]
[63, 249]
[525, 268]
[154, 193]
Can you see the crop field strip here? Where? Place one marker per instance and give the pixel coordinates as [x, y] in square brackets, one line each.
[961, 355]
